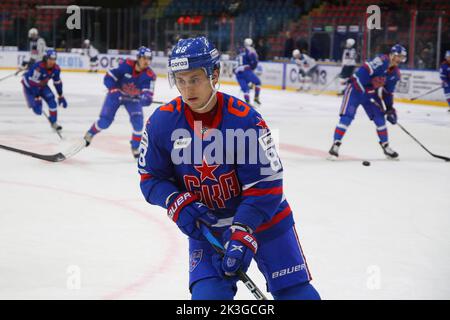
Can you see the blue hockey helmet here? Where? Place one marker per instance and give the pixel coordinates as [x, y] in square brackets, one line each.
[447, 53]
[49, 54]
[194, 53]
[399, 50]
[144, 52]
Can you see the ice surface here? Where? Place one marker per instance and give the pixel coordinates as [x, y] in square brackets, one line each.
[367, 232]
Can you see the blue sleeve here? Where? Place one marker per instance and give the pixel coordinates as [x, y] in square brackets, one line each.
[57, 82]
[444, 74]
[155, 165]
[389, 88]
[361, 78]
[113, 76]
[147, 91]
[32, 78]
[261, 180]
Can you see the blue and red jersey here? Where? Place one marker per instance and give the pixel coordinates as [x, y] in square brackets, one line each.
[444, 73]
[130, 82]
[38, 76]
[374, 74]
[247, 60]
[236, 178]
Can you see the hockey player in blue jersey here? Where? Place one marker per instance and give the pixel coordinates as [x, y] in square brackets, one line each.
[241, 199]
[372, 86]
[35, 87]
[247, 62]
[444, 73]
[130, 84]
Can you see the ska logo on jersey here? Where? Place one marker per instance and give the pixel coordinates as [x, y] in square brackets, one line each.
[194, 259]
[212, 189]
[130, 89]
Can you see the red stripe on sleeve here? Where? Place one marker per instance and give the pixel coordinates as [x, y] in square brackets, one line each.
[146, 176]
[262, 192]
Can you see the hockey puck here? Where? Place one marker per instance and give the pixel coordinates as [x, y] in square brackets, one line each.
[366, 163]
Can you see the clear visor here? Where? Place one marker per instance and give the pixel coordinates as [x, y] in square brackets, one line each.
[183, 84]
[402, 57]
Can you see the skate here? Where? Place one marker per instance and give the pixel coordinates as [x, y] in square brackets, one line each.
[135, 152]
[88, 138]
[256, 102]
[55, 126]
[391, 154]
[334, 150]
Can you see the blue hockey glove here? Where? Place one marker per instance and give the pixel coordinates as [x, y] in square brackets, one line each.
[391, 115]
[185, 209]
[62, 101]
[146, 99]
[240, 247]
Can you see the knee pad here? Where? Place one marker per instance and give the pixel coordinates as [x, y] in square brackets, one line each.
[379, 121]
[345, 119]
[51, 104]
[213, 289]
[304, 291]
[137, 121]
[104, 122]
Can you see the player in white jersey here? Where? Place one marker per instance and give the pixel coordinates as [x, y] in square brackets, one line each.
[92, 52]
[308, 66]
[348, 64]
[37, 48]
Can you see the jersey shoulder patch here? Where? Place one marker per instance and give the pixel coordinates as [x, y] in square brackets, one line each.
[130, 62]
[151, 74]
[172, 106]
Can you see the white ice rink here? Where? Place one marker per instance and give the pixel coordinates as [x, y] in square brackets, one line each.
[378, 232]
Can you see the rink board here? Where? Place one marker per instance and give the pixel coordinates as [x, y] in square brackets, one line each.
[274, 75]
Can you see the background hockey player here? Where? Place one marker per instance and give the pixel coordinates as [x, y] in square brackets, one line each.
[36, 89]
[374, 80]
[131, 84]
[307, 68]
[348, 64]
[241, 202]
[444, 72]
[92, 53]
[247, 62]
[37, 48]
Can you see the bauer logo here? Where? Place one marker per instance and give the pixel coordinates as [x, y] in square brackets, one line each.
[181, 143]
[179, 64]
[284, 272]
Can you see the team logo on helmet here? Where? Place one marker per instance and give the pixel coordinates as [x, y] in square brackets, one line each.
[179, 64]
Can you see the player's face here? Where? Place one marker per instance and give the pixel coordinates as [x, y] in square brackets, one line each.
[396, 59]
[51, 63]
[144, 62]
[448, 59]
[195, 87]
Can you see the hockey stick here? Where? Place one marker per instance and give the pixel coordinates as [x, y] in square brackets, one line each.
[326, 86]
[433, 90]
[57, 157]
[409, 134]
[8, 76]
[257, 293]
[48, 118]
[420, 144]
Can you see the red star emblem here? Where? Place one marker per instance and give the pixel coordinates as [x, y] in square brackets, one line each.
[261, 123]
[206, 171]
